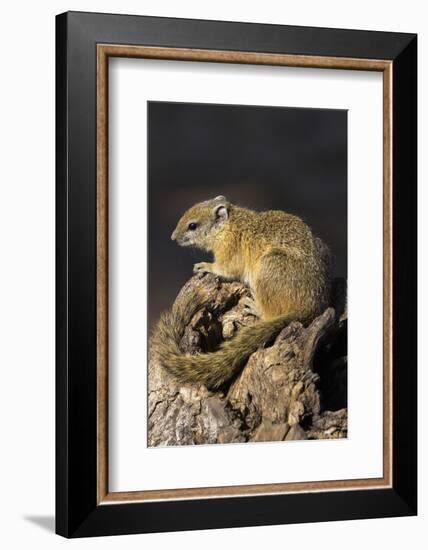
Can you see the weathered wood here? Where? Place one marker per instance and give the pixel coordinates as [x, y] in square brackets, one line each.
[283, 391]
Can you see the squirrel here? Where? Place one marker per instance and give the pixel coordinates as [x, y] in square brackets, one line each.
[286, 267]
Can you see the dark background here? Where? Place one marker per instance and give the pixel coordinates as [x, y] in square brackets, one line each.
[259, 157]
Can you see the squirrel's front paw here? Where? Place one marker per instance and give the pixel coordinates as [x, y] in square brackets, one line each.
[202, 267]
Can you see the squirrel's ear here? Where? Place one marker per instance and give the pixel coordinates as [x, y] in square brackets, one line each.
[220, 198]
[220, 212]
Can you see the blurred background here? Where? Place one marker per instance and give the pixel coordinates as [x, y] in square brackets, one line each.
[259, 157]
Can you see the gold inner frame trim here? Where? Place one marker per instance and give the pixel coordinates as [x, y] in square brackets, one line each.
[104, 51]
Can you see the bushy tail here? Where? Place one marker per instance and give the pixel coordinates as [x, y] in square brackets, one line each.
[212, 369]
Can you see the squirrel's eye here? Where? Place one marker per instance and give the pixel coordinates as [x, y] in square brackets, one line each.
[192, 226]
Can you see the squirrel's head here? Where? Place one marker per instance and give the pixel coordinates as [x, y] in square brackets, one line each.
[199, 226]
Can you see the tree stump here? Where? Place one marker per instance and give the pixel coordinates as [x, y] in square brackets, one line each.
[293, 388]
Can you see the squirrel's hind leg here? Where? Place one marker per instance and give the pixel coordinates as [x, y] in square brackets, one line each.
[250, 306]
[276, 289]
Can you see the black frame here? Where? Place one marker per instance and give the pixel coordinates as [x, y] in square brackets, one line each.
[77, 513]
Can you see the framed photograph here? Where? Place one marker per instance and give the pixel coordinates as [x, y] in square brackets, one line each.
[231, 199]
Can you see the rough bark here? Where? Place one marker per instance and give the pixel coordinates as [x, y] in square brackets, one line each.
[293, 388]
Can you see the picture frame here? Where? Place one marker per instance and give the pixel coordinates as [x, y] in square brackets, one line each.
[84, 44]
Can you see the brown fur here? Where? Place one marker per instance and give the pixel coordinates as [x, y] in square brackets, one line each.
[275, 253]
